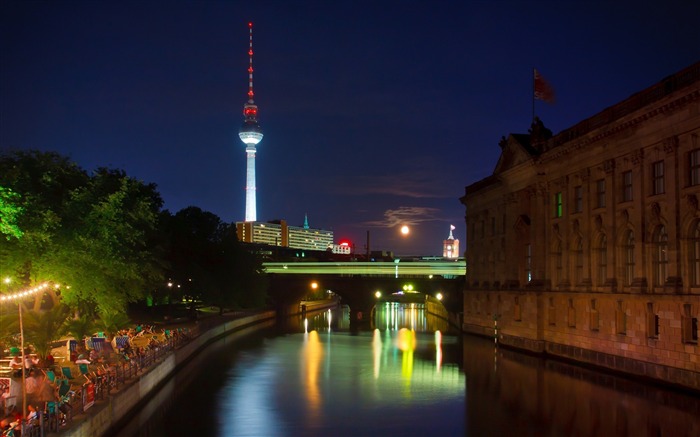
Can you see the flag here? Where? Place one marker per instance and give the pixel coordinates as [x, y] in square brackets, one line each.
[543, 91]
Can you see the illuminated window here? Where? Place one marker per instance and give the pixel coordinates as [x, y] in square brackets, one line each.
[657, 177]
[600, 193]
[628, 254]
[694, 170]
[578, 198]
[660, 256]
[557, 205]
[627, 186]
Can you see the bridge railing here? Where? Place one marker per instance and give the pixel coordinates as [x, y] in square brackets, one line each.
[380, 268]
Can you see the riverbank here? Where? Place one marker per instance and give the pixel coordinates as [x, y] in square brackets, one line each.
[119, 404]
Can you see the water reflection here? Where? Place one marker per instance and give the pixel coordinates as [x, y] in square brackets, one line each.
[527, 395]
[404, 375]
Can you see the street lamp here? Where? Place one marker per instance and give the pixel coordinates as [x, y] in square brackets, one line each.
[18, 297]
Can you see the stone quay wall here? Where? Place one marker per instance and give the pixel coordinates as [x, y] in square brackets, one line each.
[616, 331]
[117, 406]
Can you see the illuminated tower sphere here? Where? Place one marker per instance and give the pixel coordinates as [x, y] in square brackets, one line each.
[251, 134]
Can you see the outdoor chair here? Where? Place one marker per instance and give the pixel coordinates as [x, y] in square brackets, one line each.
[83, 369]
[51, 375]
[66, 372]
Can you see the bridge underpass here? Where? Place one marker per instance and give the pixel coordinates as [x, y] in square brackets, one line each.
[357, 282]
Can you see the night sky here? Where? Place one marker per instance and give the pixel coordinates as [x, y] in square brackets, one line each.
[375, 113]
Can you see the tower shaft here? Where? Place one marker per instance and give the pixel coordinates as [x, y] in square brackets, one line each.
[251, 134]
[250, 200]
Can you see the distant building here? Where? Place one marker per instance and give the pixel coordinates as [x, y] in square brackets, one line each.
[586, 244]
[341, 249]
[450, 247]
[278, 233]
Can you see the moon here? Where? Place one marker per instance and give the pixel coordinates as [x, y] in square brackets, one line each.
[404, 230]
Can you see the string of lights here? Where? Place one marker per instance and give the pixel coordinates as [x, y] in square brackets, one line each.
[24, 293]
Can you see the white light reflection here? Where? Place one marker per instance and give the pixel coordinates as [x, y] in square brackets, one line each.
[306, 325]
[438, 351]
[329, 320]
[377, 351]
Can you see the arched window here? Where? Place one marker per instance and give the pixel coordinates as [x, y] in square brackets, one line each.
[628, 256]
[602, 259]
[695, 254]
[660, 255]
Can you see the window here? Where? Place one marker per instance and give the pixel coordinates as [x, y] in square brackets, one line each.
[571, 314]
[594, 317]
[620, 319]
[578, 259]
[600, 193]
[578, 198]
[552, 312]
[528, 262]
[660, 255]
[657, 177]
[694, 170]
[493, 226]
[557, 205]
[627, 186]
[602, 260]
[557, 263]
[689, 325]
[517, 311]
[628, 254]
[695, 255]
[652, 321]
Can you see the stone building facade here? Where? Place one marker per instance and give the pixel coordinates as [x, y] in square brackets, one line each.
[586, 244]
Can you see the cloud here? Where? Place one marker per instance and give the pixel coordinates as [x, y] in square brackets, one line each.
[416, 185]
[405, 215]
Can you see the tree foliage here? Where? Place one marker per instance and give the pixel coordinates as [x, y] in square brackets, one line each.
[42, 328]
[9, 213]
[90, 232]
[208, 262]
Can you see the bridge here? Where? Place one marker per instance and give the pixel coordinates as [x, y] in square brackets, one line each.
[357, 283]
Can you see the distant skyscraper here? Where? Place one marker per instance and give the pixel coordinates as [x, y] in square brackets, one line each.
[450, 247]
[251, 134]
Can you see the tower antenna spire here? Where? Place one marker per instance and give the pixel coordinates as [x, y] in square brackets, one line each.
[250, 64]
[251, 134]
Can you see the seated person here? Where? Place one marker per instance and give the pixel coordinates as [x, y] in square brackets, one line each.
[16, 364]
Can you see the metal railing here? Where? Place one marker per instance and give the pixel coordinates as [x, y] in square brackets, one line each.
[96, 385]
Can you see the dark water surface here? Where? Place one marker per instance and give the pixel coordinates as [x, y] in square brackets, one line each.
[403, 375]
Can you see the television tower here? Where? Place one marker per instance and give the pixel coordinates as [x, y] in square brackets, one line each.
[251, 134]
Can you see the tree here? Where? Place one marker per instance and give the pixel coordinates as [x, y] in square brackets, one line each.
[208, 261]
[97, 234]
[80, 328]
[42, 328]
[113, 321]
[9, 213]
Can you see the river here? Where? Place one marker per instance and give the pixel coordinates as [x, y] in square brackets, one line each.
[405, 374]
